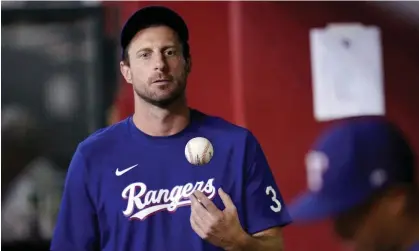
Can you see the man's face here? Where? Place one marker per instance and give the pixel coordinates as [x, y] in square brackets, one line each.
[372, 226]
[157, 68]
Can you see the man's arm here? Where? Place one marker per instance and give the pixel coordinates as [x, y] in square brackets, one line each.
[76, 227]
[270, 239]
[223, 228]
[265, 212]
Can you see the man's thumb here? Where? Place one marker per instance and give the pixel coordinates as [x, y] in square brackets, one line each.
[228, 203]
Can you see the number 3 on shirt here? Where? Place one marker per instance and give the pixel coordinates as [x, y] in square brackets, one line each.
[271, 192]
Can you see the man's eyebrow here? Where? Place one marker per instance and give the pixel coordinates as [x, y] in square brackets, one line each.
[169, 47]
[161, 49]
[142, 50]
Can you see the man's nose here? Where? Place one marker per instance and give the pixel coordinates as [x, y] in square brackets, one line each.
[160, 63]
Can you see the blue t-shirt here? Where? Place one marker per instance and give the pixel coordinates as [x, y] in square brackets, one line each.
[128, 191]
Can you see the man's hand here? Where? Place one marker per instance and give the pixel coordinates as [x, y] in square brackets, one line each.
[220, 228]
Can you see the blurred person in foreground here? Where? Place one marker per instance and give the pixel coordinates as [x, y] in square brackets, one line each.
[129, 186]
[361, 173]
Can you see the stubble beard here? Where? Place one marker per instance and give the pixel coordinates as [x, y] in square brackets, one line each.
[162, 102]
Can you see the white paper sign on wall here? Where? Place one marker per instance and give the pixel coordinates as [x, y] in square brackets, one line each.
[347, 74]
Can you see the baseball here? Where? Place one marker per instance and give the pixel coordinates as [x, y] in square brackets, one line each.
[199, 151]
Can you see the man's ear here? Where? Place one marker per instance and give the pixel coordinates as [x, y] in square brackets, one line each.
[125, 71]
[396, 200]
[188, 65]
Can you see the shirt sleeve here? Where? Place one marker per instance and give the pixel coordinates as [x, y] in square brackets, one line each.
[76, 227]
[265, 207]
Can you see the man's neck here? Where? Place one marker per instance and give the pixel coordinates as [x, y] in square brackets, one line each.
[156, 121]
[411, 233]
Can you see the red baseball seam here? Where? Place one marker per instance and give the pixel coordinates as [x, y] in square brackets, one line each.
[205, 151]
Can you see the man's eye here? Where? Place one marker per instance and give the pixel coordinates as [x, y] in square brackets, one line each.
[170, 52]
[145, 55]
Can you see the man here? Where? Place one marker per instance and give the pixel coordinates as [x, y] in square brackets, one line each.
[362, 174]
[130, 187]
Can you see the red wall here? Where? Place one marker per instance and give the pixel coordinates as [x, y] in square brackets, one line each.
[251, 65]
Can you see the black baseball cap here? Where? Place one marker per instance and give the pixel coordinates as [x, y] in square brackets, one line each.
[149, 16]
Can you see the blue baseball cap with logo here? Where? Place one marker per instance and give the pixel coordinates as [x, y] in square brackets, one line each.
[349, 163]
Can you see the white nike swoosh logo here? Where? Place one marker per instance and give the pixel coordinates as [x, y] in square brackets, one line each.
[119, 173]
